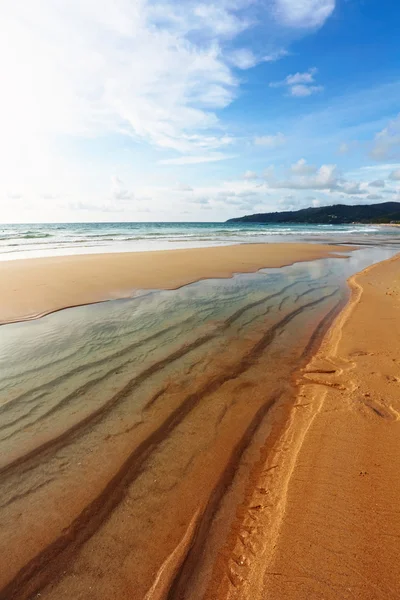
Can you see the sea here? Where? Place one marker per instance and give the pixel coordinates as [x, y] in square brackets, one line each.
[44, 239]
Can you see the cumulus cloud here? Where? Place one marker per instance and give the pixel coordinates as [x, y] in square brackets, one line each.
[271, 141]
[324, 178]
[303, 176]
[300, 84]
[350, 187]
[374, 197]
[395, 175]
[302, 168]
[387, 142]
[304, 13]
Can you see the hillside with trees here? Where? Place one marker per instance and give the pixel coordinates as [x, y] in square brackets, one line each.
[338, 214]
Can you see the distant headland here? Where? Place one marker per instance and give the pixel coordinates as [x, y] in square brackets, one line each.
[338, 214]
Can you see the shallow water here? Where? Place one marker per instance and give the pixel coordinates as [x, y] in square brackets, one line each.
[122, 423]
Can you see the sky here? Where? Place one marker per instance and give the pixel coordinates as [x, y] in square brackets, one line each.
[196, 110]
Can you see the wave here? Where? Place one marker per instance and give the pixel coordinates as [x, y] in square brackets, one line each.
[55, 239]
[26, 235]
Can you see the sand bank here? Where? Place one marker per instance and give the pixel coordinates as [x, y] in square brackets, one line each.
[325, 518]
[32, 287]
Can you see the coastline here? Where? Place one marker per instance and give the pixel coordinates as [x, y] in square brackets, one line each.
[31, 288]
[328, 526]
[145, 423]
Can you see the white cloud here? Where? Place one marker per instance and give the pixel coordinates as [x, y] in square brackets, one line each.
[381, 169]
[307, 77]
[183, 187]
[194, 160]
[274, 56]
[303, 176]
[304, 13]
[250, 175]
[88, 68]
[302, 168]
[300, 84]
[395, 175]
[243, 58]
[350, 187]
[302, 91]
[217, 18]
[374, 197]
[324, 178]
[387, 142]
[154, 70]
[378, 183]
[270, 141]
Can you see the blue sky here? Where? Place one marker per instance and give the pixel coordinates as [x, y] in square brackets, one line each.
[150, 110]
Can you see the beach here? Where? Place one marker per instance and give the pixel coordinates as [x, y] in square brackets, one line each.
[324, 519]
[344, 545]
[34, 287]
[224, 426]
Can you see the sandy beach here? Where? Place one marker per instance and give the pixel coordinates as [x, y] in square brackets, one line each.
[344, 540]
[33, 287]
[324, 513]
[200, 300]
[215, 419]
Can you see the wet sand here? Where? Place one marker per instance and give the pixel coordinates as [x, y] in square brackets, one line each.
[322, 519]
[123, 424]
[33, 287]
[185, 445]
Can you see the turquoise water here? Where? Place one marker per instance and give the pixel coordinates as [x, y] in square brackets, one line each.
[31, 240]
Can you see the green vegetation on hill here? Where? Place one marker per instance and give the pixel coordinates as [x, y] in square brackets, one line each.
[387, 212]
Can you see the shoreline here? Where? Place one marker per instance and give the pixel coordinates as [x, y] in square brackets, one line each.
[329, 523]
[155, 424]
[308, 447]
[32, 288]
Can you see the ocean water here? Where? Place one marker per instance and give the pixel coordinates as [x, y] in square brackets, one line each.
[34, 240]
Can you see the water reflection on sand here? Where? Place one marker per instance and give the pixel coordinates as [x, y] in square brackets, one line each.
[122, 423]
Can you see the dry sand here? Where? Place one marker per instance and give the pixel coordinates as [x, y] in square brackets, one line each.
[325, 516]
[34, 287]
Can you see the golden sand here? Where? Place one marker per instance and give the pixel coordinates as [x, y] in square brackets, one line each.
[325, 518]
[114, 507]
[33, 287]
